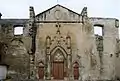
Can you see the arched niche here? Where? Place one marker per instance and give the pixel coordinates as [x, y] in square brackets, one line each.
[76, 70]
[41, 70]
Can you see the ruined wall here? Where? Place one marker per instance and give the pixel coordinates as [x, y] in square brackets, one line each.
[15, 49]
[110, 34]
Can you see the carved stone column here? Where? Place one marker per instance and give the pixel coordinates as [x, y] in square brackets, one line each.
[69, 58]
[32, 35]
[32, 70]
[48, 61]
[69, 61]
[99, 40]
[48, 68]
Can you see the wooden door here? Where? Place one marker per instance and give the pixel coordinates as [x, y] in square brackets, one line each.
[61, 70]
[41, 72]
[55, 70]
[76, 71]
[58, 70]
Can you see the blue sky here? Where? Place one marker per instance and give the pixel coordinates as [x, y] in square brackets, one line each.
[96, 8]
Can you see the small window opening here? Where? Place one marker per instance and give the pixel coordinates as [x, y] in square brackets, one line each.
[18, 30]
[117, 23]
[98, 30]
[117, 54]
[111, 55]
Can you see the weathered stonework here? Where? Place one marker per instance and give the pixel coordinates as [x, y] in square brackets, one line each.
[59, 44]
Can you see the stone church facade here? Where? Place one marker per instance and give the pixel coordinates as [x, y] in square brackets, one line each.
[60, 44]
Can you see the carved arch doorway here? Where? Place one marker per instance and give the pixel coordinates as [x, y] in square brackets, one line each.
[58, 65]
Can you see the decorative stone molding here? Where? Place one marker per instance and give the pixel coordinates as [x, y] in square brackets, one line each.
[57, 14]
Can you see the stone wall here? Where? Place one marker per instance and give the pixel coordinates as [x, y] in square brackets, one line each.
[110, 34]
[15, 49]
[24, 53]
